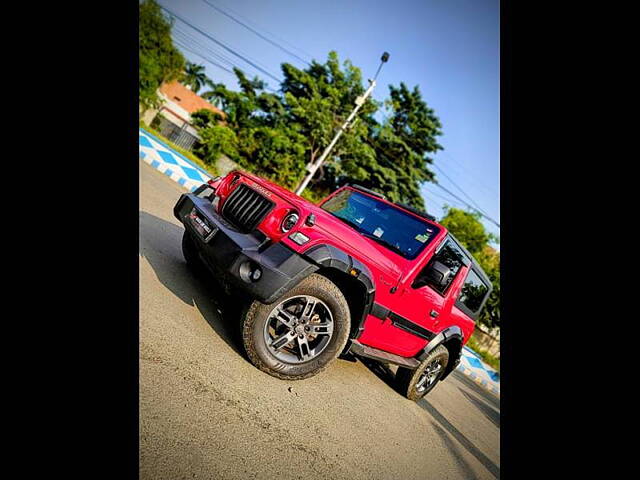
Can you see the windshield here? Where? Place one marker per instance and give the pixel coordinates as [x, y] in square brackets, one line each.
[391, 227]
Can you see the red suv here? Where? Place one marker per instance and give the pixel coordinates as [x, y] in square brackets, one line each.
[355, 273]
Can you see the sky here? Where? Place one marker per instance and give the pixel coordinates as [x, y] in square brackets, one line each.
[450, 49]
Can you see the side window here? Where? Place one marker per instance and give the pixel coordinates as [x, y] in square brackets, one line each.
[473, 292]
[451, 257]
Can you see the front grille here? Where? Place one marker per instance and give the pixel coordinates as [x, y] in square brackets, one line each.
[245, 208]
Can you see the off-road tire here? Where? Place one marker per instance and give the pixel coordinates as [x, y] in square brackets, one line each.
[406, 379]
[257, 314]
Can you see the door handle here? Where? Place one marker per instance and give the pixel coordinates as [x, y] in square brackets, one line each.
[434, 314]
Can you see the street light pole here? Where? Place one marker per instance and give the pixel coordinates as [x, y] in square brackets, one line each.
[312, 167]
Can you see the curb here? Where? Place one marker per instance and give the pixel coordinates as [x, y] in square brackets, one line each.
[472, 366]
[480, 381]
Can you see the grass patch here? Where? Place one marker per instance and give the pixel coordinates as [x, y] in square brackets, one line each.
[493, 362]
[205, 166]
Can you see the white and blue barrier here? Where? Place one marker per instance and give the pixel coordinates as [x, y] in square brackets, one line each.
[176, 166]
[472, 365]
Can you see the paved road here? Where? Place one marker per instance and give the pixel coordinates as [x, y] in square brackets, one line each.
[206, 412]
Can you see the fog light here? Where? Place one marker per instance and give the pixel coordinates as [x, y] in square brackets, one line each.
[257, 273]
[250, 272]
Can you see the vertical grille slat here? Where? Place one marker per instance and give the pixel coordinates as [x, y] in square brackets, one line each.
[249, 210]
[242, 196]
[245, 208]
[259, 213]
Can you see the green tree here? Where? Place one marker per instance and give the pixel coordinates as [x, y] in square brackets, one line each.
[489, 260]
[194, 77]
[402, 145]
[159, 60]
[317, 101]
[279, 133]
[468, 229]
[216, 138]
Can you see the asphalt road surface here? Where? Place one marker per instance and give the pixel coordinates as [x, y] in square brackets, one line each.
[206, 412]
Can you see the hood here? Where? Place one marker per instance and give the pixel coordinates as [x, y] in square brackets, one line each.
[356, 244]
[334, 230]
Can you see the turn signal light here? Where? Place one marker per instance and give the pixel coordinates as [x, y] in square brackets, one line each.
[299, 238]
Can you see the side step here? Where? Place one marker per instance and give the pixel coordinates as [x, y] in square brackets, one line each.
[366, 351]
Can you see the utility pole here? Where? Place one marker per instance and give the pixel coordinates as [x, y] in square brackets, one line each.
[312, 167]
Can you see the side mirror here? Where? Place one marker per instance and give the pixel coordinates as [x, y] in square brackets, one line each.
[436, 275]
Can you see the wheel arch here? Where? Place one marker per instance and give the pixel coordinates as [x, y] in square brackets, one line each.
[453, 339]
[351, 276]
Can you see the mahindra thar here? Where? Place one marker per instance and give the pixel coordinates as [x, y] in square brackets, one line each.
[354, 274]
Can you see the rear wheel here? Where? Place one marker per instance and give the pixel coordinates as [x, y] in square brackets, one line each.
[301, 333]
[415, 384]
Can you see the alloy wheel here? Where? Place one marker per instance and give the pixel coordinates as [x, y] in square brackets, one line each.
[429, 376]
[298, 329]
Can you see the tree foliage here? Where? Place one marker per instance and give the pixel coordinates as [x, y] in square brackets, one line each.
[160, 60]
[401, 145]
[468, 229]
[278, 134]
[194, 77]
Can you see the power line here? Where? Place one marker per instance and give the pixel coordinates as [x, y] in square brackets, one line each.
[227, 48]
[448, 200]
[471, 174]
[247, 20]
[433, 203]
[449, 192]
[187, 46]
[188, 37]
[221, 57]
[472, 208]
[213, 62]
[459, 188]
[275, 44]
[179, 42]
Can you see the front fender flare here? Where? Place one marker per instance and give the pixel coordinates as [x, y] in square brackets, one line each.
[332, 257]
[328, 256]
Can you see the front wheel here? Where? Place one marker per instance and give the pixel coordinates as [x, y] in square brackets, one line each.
[415, 384]
[300, 334]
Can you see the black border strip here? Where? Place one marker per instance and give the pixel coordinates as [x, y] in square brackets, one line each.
[399, 321]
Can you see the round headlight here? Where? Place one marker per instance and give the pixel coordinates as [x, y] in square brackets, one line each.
[289, 222]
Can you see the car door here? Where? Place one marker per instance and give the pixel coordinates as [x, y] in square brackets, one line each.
[422, 306]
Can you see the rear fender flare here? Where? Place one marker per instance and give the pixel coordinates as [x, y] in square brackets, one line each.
[452, 338]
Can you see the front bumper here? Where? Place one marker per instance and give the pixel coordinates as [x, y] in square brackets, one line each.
[230, 253]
